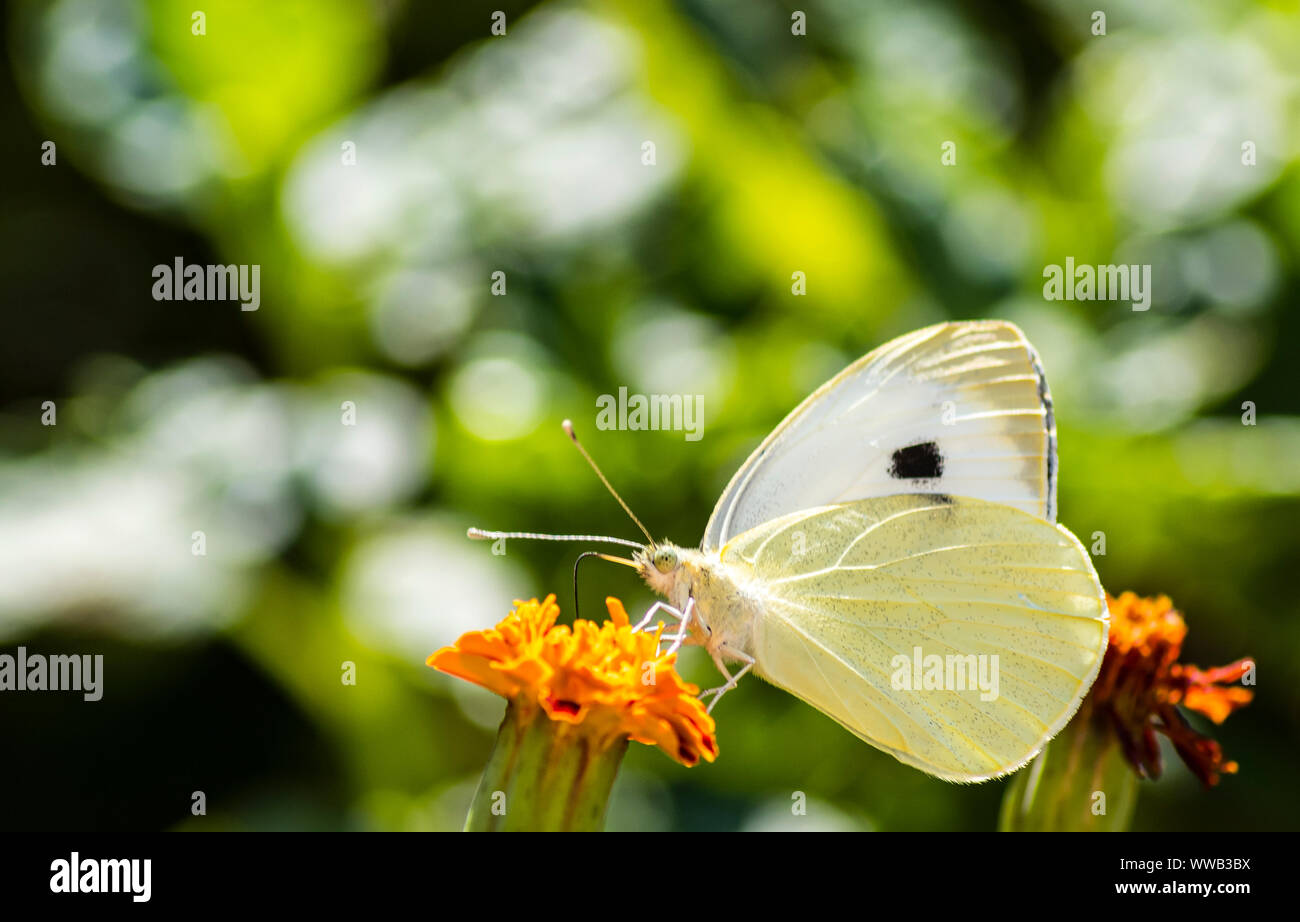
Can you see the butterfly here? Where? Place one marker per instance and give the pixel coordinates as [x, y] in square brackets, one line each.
[889, 555]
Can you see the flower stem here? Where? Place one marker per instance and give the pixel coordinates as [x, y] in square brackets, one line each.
[544, 775]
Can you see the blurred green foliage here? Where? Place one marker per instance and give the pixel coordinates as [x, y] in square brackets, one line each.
[523, 153]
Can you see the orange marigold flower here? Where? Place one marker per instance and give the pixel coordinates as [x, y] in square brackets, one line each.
[603, 677]
[1141, 683]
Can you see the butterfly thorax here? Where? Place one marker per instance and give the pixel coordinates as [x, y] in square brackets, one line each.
[724, 607]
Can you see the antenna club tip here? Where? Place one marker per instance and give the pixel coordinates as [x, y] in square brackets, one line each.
[475, 533]
[567, 426]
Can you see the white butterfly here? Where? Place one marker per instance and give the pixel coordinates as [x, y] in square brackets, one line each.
[890, 548]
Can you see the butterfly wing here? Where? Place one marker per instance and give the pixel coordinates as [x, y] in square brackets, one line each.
[846, 589]
[958, 408]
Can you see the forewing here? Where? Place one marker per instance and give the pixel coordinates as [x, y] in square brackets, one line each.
[845, 590]
[958, 408]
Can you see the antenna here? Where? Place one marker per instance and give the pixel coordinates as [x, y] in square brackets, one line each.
[568, 429]
[478, 534]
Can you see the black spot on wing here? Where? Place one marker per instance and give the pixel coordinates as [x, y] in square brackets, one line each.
[921, 461]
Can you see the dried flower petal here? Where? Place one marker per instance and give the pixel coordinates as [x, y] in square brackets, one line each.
[1141, 684]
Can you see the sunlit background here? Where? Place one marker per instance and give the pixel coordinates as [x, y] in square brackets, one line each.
[525, 154]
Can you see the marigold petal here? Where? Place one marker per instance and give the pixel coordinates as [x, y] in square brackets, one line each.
[488, 644]
[474, 669]
[617, 613]
[1216, 703]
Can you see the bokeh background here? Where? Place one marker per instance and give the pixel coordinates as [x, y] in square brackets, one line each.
[523, 153]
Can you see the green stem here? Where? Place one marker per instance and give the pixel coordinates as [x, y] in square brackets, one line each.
[1059, 790]
[544, 776]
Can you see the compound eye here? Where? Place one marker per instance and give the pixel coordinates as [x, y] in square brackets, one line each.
[665, 560]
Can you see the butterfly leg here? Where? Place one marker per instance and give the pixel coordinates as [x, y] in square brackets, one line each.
[683, 628]
[654, 610]
[732, 681]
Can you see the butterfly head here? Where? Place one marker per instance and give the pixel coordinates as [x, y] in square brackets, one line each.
[682, 575]
[660, 565]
